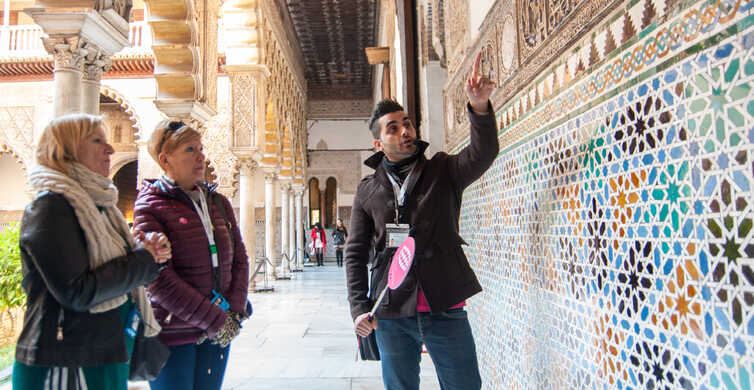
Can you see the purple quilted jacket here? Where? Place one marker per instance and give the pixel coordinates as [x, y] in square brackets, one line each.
[181, 294]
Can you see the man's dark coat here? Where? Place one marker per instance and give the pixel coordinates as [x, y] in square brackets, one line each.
[440, 266]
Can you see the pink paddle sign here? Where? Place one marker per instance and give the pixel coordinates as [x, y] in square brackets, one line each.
[402, 260]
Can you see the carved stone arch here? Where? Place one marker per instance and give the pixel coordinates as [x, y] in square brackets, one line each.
[121, 160]
[175, 37]
[4, 148]
[125, 105]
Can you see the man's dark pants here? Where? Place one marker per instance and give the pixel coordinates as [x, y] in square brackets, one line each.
[449, 341]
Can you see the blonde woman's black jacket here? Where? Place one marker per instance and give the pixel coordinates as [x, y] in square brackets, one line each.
[61, 288]
[434, 206]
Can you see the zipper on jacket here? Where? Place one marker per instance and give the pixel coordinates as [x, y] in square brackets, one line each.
[61, 317]
[169, 318]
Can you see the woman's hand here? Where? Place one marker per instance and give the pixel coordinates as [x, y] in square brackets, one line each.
[156, 244]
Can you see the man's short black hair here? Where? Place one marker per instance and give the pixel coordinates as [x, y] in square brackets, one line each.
[382, 108]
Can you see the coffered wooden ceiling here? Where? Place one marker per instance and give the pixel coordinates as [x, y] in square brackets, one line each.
[333, 35]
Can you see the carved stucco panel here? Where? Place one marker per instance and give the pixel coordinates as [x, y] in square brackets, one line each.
[17, 132]
[338, 164]
[244, 101]
[216, 147]
[456, 29]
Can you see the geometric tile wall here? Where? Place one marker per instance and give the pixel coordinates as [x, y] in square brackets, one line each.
[614, 233]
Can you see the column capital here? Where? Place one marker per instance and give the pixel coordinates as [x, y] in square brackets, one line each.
[247, 166]
[96, 63]
[269, 176]
[68, 51]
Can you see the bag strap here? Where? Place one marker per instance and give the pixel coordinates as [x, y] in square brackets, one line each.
[221, 206]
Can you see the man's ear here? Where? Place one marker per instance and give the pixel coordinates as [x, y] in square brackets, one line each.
[377, 145]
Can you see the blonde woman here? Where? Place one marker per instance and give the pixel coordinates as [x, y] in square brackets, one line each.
[83, 270]
[201, 297]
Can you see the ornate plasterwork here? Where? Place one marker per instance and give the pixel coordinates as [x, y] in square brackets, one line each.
[216, 142]
[17, 133]
[437, 10]
[245, 110]
[121, 127]
[456, 30]
[544, 30]
[126, 106]
[342, 165]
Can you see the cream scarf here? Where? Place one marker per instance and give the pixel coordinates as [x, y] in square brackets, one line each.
[106, 232]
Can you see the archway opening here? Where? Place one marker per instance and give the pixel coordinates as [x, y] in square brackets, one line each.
[15, 198]
[314, 201]
[331, 203]
[125, 181]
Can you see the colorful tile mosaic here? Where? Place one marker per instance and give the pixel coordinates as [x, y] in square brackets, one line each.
[614, 233]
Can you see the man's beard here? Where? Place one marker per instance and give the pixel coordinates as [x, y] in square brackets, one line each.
[402, 154]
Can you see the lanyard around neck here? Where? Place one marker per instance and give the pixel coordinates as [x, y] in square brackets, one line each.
[400, 191]
[204, 216]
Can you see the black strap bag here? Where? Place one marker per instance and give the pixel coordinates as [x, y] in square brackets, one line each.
[368, 347]
[148, 357]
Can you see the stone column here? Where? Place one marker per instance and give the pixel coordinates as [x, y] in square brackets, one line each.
[68, 73]
[269, 212]
[248, 219]
[299, 227]
[75, 32]
[291, 228]
[96, 64]
[284, 190]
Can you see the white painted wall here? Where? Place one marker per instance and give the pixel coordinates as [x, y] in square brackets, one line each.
[339, 135]
[433, 123]
[478, 10]
[13, 178]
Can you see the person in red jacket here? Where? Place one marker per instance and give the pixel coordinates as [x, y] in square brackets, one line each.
[320, 243]
[200, 299]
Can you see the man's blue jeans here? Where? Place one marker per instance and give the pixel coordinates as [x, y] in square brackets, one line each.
[450, 344]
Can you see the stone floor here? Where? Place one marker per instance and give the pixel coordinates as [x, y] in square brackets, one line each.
[301, 337]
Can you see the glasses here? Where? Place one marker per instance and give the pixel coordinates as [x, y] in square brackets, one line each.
[172, 127]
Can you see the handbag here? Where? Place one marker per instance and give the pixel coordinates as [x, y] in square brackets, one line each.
[148, 357]
[368, 347]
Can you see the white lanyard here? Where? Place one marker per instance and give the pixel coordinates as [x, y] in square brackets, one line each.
[400, 191]
[207, 223]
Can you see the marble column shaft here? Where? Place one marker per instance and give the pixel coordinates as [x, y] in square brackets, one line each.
[68, 75]
[299, 228]
[248, 219]
[291, 228]
[284, 189]
[269, 215]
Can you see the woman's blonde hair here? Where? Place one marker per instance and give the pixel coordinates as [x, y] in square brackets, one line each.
[58, 147]
[167, 136]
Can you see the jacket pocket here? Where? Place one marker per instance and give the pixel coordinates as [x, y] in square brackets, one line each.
[378, 278]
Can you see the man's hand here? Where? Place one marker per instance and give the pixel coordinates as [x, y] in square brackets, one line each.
[479, 89]
[363, 326]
